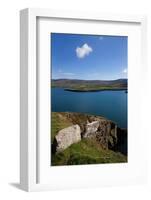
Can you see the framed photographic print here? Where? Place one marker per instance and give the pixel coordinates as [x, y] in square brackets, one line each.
[82, 77]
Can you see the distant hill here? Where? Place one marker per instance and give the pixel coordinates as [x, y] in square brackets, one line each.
[90, 85]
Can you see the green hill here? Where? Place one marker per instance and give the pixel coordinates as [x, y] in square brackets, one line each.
[89, 85]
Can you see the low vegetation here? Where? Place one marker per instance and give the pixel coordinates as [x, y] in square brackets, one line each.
[87, 151]
[58, 122]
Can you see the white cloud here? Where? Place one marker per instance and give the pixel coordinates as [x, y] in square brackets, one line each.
[125, 71]
[83, 51]
[68, 74]
[62, 73]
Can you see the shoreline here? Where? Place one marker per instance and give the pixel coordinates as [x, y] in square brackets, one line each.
[97, 90]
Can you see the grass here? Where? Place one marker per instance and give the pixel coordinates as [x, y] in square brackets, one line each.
[87, 151]
[58, 122]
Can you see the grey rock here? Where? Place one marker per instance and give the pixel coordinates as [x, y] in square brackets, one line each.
[91, 129]
[104, 131]
[67, 137]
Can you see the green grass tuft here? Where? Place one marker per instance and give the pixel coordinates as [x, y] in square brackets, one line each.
[58, 122]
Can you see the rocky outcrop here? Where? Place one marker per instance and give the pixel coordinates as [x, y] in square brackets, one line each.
[67, 136]
[104, 131]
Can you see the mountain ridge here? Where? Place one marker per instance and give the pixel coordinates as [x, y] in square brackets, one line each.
[89, 85]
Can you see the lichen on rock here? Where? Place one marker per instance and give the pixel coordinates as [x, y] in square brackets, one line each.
[67, 137]
[91, 129]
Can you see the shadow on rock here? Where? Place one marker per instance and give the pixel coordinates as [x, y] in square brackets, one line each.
[121, 145]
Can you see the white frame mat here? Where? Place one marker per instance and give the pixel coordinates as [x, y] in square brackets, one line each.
[30, 166]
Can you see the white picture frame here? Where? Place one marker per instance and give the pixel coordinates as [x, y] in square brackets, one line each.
[29, 148]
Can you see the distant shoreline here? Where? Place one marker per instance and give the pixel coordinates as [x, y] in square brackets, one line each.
[96, 90]
[90, 86]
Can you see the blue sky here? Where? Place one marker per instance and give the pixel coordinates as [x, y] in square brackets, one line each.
[88, 57]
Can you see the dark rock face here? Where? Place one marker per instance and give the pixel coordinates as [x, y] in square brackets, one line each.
[122, 139]
[104, 131]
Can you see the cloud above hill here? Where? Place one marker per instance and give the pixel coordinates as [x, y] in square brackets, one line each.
[83, 51]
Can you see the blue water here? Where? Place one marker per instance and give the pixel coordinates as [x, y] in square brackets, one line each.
[110, 104]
